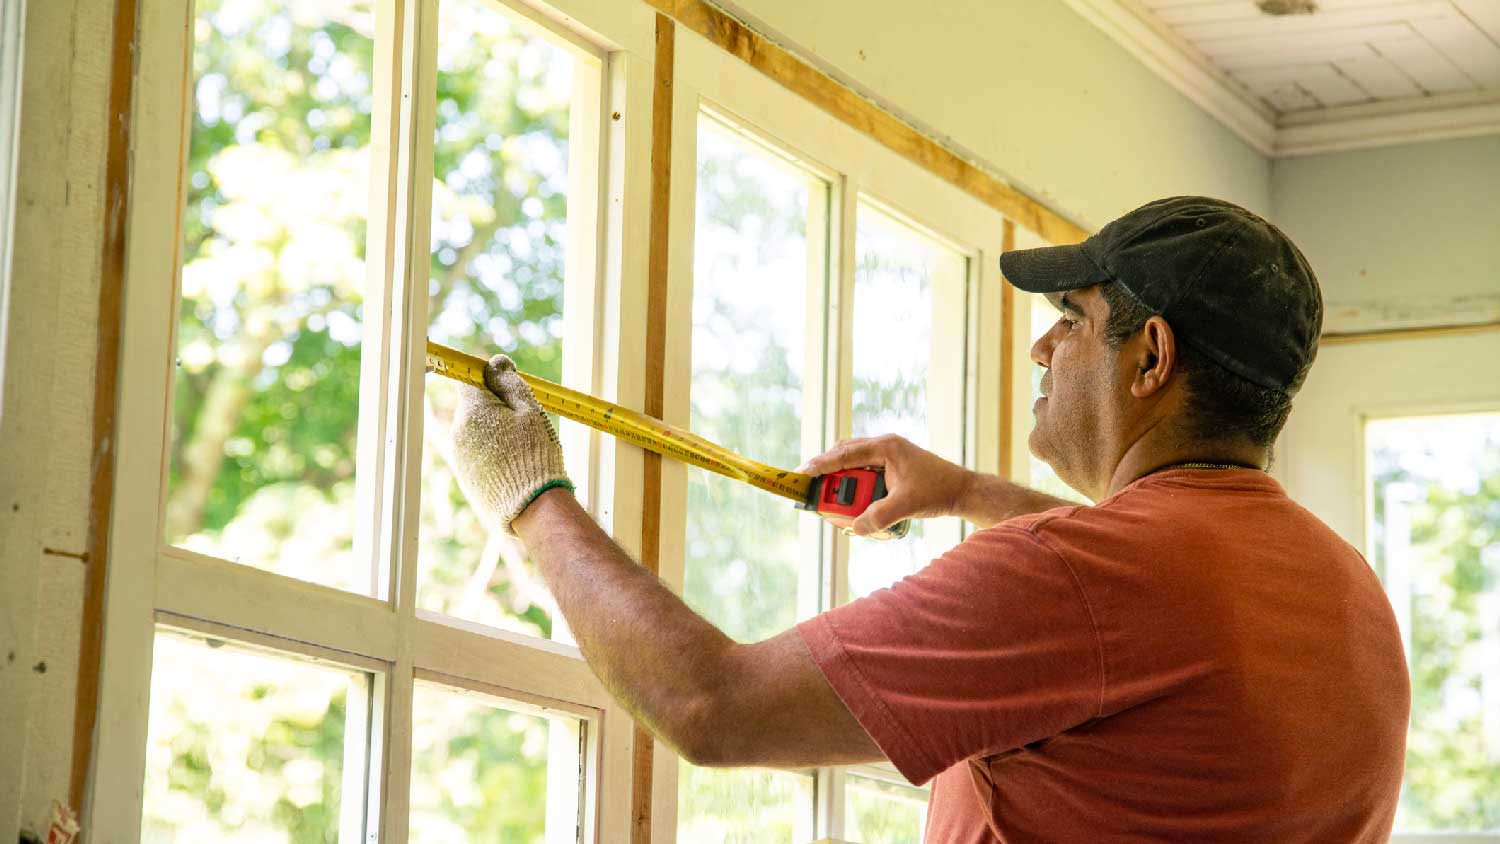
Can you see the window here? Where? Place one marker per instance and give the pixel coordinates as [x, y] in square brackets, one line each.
[909, 357]
[311, 635]
[272, 288]
[496, 279]
[320, 184]
[1434, 536]
[760, 232]
[881, 808]
[831, 290]
[248, 746]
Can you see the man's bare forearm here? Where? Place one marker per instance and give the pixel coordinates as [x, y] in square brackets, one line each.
[652, 652]
[990, 500]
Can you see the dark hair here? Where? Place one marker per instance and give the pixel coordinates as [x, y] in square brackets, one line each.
[1219, 401]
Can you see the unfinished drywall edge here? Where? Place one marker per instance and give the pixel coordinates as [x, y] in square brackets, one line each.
[853, 108]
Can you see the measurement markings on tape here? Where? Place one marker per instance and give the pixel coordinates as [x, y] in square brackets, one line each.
[631, 426]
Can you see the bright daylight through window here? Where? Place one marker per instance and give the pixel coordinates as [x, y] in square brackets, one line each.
[499, 240]
[1434, 537]
[243, 746]
[253, 744]
[759, 217]
[908, 370]
[264, 415]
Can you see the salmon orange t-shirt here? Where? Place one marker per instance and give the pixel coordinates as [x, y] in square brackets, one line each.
[1196, 659]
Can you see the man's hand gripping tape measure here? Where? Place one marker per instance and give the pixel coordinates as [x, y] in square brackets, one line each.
[840, 497]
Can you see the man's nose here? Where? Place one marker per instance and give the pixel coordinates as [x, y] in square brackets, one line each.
[1041, 350]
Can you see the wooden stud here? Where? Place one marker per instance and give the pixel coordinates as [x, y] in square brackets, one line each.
[848, 106]
[657, 258]
[1007, 358]
[106, 383]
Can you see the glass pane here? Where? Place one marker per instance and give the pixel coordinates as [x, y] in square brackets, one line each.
[879, 812]
[750, 286]
[1435, 538]
[1043, 317]
[744, 806]
[897, 272]
[499, 231]
[247, 748]
[266, 401]
[484, 773]
[753, 263]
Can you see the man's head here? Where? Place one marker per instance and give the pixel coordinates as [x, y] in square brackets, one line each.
[1187, 326]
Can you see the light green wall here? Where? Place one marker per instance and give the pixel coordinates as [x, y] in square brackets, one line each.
[1031, 89]
[1402, 235]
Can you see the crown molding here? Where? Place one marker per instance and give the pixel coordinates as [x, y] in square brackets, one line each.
[1404, 121]
[1385, 123]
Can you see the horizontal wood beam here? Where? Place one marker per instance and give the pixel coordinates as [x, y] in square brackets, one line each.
[859, 112]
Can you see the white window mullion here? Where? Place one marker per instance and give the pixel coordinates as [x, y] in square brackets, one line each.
[841, 363]
[402, 458]
[389, 158]
[160, 116]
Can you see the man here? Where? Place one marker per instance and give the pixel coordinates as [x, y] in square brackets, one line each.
[1193, 658]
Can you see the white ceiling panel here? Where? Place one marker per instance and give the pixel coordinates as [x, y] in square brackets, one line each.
[1409, 68]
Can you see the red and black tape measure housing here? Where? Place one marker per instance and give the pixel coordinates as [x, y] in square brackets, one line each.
[840, 497]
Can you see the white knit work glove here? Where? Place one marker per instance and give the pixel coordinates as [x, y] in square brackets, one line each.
[506, 450]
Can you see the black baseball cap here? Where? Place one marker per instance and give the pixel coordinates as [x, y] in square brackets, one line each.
[1229, 283]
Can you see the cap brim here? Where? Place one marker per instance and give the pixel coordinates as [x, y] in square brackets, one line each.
[1051, 269]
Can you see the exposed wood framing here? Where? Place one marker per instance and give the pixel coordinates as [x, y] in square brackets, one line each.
[656, 373]
[106, 381]
[1007, 358]
[848, 106]
[1428, 332]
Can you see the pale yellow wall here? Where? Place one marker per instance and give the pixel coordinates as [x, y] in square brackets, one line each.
[1033, 91]
[1404, 235]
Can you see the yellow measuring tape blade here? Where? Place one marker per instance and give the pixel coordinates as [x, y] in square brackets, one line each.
[629, 425]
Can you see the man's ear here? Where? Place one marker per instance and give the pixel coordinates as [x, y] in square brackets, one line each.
[1156, 358]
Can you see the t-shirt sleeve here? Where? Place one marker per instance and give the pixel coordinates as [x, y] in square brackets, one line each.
[990, 647]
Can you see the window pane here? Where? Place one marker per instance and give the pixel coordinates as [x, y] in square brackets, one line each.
[750, 286]
[898, 276]
[247, 748]
[499, 231]
[266, 400]
[484, 773]
[1043, 317]
[1435, 538]
[744, 806]
[753, 263]
[879, 812]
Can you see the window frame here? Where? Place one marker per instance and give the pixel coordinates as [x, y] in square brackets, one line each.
[153, 584]
[1363, 416]
[859, 169]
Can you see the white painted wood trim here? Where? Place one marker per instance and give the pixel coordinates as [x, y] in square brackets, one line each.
[160, 121]
[1183, 67]
[198, 587]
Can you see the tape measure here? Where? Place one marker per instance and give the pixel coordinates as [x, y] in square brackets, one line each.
[840, 497]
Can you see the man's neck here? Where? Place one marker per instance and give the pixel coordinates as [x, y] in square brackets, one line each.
[1158, 449]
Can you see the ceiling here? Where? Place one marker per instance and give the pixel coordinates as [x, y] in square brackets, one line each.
[1351, 73]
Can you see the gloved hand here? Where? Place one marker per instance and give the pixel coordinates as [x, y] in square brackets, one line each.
[505, 448]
